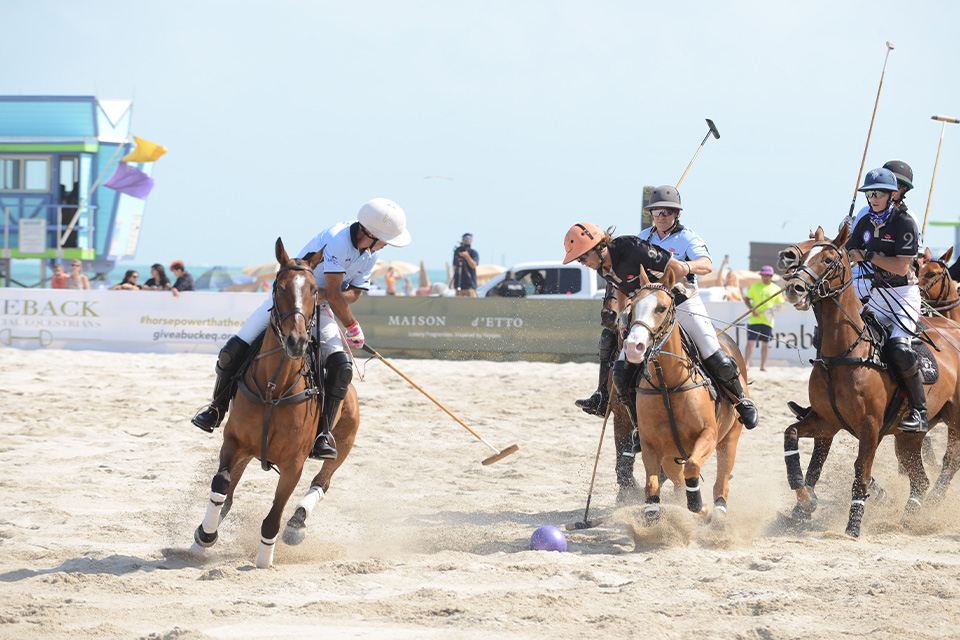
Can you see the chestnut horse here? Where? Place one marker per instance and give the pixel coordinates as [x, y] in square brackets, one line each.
[680, 425]
[937, 288]
[279, 430]
[848, 388]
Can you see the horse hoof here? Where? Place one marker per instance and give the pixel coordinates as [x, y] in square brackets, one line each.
[296, 530]
[204, 539]
[651, 515]
[703, 516]
[800, 514]
[912, 510]
[810, 504]
[853, 532]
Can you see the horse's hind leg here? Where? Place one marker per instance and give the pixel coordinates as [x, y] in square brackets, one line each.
[726, 456]
[705, 444]
[812, 425]
[869, 438]
[908, 449]
[345, 433]
[951, 462]
[270, 527]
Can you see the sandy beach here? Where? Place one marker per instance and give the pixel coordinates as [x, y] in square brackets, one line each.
[104, 480]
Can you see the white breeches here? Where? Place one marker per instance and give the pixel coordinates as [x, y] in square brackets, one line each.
[329, 332]
[897, 308]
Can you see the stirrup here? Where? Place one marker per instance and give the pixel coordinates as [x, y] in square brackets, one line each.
[915, 422]
[324, 448]
[208, 419]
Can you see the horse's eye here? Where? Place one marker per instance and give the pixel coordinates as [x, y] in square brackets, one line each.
[660, 309]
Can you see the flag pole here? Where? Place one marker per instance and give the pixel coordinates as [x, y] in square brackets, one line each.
[76, 214]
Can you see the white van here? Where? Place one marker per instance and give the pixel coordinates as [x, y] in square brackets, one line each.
[551, 280]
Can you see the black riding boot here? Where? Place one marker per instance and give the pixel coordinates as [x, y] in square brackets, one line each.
[903, 362]
[624, 383]
[228, 363]
[339, 372]
[725, 370]
[596, 405]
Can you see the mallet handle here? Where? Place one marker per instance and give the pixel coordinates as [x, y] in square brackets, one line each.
[751, 310]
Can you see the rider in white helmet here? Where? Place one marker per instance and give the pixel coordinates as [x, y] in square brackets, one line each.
[349, 255]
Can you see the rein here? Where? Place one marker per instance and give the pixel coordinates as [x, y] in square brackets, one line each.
[266, 398]
[940, 303]
[658, 338]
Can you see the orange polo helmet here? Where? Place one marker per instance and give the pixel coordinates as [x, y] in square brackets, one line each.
[582, 237]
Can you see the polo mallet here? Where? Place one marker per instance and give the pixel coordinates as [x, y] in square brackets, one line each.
[586, 523]
[870, 130]
[500, 454]
[944, 120]
[751, 310]
[711, 131]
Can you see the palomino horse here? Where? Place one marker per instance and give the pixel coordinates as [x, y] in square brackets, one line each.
[680, 425]
[278, 429]
[848, 388]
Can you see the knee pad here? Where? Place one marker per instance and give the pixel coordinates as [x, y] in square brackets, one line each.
[231, 356]
[339, 373]
[624, 374]
[722, 366]
[608, 345]
[900, 355]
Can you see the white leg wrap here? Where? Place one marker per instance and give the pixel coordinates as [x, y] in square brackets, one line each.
[694, 489]
[720, 507]
[212, 518]
[309, 501]
[795, 452]
[265, 555]
[859, 502]
[651, 508]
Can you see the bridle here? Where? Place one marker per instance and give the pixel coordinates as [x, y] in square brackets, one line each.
[276, 319]
[818, 286]
[658, 335]
[940, 303]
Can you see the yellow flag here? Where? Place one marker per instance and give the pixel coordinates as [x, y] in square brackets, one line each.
[146, 151]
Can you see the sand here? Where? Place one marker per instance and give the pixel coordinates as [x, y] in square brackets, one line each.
[103, 481]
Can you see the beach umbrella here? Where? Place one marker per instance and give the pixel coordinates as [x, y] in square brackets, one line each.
[403, 268]
[219, 278]
[265, 271]
[487, 271]
[424, 278]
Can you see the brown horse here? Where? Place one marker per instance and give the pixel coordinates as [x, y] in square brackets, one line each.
[848, 388]
[278, 429]
[680, 425]
[937, 288]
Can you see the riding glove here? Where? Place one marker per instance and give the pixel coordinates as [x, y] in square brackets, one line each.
[355, 335]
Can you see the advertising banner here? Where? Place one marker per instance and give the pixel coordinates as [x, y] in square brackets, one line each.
[491, 328]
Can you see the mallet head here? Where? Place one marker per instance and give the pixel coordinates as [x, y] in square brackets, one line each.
[713, 129]
[946, 119]
[889, 45]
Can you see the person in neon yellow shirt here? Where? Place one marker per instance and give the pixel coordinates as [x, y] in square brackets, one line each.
[760, 326]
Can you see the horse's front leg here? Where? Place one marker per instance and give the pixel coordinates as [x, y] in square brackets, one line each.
[289, 477]
[726, 457]
[704, 446]
[651, 467]
[812, 425]
[908, 447]
[951, 462]
[868, 439]
[628, 490]
[221, 493]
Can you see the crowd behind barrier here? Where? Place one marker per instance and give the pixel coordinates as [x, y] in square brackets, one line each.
[488, 328]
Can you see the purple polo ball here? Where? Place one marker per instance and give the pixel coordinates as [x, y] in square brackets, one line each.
[548, 538]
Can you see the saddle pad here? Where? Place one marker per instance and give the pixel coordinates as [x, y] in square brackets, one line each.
[929, 368]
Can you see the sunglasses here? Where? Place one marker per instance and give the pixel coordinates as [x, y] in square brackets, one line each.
[876, 194]
[662, 213]
[582, 259]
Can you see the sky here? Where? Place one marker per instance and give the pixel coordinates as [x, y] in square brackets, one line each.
[508, 119]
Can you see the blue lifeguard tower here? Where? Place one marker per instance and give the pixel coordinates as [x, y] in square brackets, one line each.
[55, 153]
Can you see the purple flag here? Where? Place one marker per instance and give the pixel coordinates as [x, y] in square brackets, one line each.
[130, 180]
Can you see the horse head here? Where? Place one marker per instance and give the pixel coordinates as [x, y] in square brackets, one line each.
[935, 282]
[651, 316]
[295, 296]
[823, 272]
[792, 257]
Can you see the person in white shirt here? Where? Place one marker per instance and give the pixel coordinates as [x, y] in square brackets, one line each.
[349, 254]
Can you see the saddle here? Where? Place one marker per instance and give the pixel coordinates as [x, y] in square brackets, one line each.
[920, 345]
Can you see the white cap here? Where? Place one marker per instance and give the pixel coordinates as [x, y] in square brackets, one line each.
[386, 220]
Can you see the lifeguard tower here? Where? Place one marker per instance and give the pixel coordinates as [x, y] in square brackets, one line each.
[55, 152]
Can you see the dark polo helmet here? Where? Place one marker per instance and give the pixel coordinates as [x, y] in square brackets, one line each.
[664, 197]
[902, 171]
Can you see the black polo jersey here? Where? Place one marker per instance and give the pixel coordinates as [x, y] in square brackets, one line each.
[627, 255]
[897, 237]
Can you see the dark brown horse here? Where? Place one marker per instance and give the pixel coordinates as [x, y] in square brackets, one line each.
[680, 425]
[275, 419]
[848, 389]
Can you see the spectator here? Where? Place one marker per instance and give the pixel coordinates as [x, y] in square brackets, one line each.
[465, 260]
[184, 279]
[731, 283]
[391, 280]
[158, 279]
[77, 279]
[129, 282]
[760, 326]
[59, 279]
[510, 287]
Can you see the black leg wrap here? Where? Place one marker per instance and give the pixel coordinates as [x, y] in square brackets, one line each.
[720, 503]
[221, 482]
[791, 456]
[856, 515]
[694, 498]
[625, 476]
[203, 538]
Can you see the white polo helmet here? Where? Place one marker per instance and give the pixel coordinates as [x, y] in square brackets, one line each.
[386, 220]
